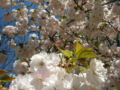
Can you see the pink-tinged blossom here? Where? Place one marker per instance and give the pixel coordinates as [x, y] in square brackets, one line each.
[21, 83]
[55, 80]
[97, 73]
[97, 14]
[11, 43]
[20, 67]
[33, 36]
[10, 30]
[5, 4]
[73, 81]
[115, 9]
[117, 64]
[38, 62]
[22, 13]
[53, 60]
[28, 50]
[37, 81]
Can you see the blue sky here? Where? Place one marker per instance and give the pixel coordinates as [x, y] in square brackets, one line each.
[5, 39]
[1, 12]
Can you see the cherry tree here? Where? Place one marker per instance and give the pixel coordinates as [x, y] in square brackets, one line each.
[71, 45]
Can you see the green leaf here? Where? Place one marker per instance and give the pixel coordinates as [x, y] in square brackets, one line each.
[28, 6]
[77, 47]
[83, 50]
[84, 62]
[72, 60]
[10, 70]
[23, 60]
[35, 9]
[7, 13]
[6, 78]
[62, 17]
[88, 54]
[103, 25]
[97, 43]
[20, 9]
[81, 68]
[14, 20]
[2, 71]
[65, 52]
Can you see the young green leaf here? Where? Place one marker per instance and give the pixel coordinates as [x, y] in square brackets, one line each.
[88, 54]
[65, 52]
[77, 47]
[82, 51]
[72, 60]
[6, 78]
[2, 71]
[10, 70]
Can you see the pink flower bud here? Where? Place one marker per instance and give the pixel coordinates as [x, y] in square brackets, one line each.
[67, 46]
[58, 42]
[63, 40]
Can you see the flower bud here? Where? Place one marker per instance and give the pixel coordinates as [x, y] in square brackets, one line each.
[58, 42]
[67, 46]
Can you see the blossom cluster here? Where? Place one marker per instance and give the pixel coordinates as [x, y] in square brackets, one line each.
[44, 73]
[10, 30]
[27, 50]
